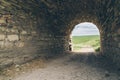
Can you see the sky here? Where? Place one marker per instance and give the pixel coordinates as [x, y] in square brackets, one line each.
[85, 28]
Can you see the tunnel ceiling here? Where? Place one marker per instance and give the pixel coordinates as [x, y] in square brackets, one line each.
[60, 13]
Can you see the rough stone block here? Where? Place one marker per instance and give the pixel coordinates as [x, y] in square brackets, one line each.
[119, 31]
[1, 44]
[13, 37]
[8, 44]
[19, 44]
[2, 36]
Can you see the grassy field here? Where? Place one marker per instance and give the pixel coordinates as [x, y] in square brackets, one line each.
[80, 41]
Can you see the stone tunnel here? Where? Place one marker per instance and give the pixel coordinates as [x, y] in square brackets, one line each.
[44, 26]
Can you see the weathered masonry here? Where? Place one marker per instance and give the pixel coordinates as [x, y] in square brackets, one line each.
[44, 26]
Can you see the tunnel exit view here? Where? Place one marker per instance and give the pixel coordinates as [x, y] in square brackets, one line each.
[85, 37]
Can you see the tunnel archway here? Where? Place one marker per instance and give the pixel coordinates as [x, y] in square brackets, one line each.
[85, 37]
[87, 18]
[51, 23]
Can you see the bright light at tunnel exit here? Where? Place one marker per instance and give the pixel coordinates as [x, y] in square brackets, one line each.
[85, 37]
[85, 28]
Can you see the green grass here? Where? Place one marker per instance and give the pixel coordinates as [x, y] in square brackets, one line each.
[80, 41]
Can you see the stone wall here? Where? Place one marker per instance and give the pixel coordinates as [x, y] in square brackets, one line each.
[49, 43]
[110, 45]
[11, 36]
[17, 42]
[53, 45]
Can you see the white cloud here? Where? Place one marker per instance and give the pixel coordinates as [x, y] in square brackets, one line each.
[85, 29]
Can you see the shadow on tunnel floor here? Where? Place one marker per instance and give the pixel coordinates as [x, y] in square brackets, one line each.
[94, 60]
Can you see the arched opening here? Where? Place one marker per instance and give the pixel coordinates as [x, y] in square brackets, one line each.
[85, 37]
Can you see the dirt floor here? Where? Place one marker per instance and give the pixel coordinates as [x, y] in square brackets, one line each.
[86, 49]
[71, 66]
